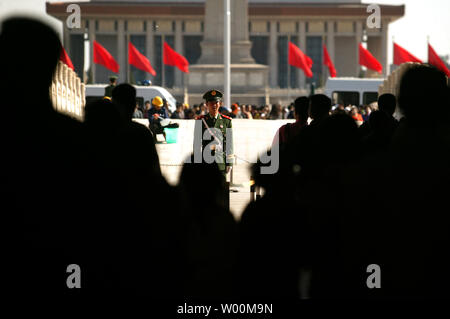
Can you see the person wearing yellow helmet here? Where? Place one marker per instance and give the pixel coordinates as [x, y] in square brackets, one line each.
[156, 114]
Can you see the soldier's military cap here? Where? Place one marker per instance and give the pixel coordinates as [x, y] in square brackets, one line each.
[213, 95]
[113, 77]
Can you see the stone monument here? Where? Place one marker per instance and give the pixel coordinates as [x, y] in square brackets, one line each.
[249, 80]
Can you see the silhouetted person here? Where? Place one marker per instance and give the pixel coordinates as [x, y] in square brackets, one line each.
[320, 107]
[270, 235]
[417, 239]
[324, 188]
[387, 103]
[305, 144]
[287, 132]
[423, 86]
[137, 141]
[150, 224]
[102, 124]
[210, 231]
[381, 130]
[44, 166]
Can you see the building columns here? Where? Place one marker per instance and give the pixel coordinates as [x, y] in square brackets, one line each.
[121, 52]
[149, 50]
[273, 55]
[179, 48]
[358, 38]
[66, 38]
[302, 46]
[384, 47]
[330, 42]
[91, 49]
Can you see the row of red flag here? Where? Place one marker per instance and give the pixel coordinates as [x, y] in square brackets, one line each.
[296, 58]
[138, 60]
[135, 58]
[300, 60]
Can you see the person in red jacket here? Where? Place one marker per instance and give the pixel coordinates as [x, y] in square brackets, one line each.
[356, 116]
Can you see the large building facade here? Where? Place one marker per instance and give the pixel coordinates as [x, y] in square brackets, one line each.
[340, 25]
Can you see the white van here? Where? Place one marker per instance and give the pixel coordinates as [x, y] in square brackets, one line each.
[143, 93]
[353, 91]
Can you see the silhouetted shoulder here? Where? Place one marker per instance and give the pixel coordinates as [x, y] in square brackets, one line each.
[139, 127]
[67, 121]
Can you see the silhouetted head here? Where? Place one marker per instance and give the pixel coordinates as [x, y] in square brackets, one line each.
[379, 121]
[423, 93]
[301, 107]
[28, 46]
[338, 138]
[101, 114]
[204, 179]
[320, 106]
[387, 103]
[124, 97]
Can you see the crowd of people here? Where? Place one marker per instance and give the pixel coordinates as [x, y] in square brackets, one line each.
[345, 197]
[243, 111]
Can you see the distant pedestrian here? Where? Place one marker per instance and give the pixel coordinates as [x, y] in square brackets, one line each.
[111, 86]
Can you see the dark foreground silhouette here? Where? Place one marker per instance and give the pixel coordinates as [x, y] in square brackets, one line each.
[92, 194]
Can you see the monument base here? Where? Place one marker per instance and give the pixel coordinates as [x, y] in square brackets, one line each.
[246, 79]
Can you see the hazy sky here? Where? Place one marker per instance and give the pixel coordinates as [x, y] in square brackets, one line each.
[422, 18]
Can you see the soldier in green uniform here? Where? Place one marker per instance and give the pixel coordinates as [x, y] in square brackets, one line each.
[220, 144]
[111, 86]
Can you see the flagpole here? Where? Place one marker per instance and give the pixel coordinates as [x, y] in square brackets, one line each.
[128, 60]
[321, 80]
[162, 61]
[289, 75]
[227, 54]
[86, 58]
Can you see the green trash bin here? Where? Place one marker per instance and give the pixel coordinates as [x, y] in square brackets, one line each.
[171, 134]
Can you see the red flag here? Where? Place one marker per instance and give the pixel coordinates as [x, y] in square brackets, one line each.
[300, 60]
[103, 57]
[139, 60]
[172, 58]
[327, 61]
[402, 56]
[64, 57]
[435, 60]
[367, 59]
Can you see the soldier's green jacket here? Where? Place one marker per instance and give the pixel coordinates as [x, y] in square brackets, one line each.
[109, 89]
[223, 143]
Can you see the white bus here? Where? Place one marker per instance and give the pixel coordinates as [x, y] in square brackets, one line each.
[352, 91]
[143, 93]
